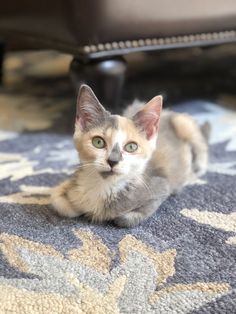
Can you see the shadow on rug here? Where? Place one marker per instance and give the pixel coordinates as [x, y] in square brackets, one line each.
[181, 260]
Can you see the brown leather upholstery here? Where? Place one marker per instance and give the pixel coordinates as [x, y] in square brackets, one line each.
[99, 32]
[69, 25]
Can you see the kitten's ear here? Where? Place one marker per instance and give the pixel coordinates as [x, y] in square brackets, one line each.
[89, 111]
[148, 118]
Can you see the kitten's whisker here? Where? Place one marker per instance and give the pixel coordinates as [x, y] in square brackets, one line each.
[140, 179]
[91, 173]
[97, 162]
[79, 167]
[89, 164]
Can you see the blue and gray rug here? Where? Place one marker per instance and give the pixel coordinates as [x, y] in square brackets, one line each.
[182, 260]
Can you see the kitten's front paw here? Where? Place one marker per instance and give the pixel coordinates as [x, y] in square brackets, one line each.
[60, 202]
[122, 222]
[129, 220]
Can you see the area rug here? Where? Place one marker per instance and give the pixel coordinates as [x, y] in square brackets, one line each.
[181, 260]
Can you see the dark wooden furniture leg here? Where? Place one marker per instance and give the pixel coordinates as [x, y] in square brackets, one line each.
[2, 50]
[106, 78]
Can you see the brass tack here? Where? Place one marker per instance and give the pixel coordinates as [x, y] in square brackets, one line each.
[100, 47]
[86, 49]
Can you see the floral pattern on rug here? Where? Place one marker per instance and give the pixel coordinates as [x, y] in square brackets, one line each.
[83, 278]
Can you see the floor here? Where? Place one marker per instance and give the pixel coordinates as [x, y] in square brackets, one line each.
[181, 260]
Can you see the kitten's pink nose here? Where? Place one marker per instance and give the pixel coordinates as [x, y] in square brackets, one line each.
[112, 163]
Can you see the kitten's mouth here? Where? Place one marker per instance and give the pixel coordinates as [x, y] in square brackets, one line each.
[110, 173]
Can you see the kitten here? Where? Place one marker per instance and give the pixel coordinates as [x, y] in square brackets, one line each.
[125, 173]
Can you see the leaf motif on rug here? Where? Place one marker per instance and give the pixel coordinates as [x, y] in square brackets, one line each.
[83, 278]
[17, 167]
[39, 195]
[226, 222]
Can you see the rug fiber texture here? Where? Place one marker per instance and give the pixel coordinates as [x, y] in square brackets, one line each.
[181, 260]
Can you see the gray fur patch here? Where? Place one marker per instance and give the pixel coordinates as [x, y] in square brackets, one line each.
[98, 122]
[105, 119]
[112, 122]
[139, 200]
[115, 153]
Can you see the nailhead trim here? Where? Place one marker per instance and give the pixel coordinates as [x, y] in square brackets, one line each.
[158, 41]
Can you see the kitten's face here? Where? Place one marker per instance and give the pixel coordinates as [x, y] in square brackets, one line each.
[116, 147]
[110, 144]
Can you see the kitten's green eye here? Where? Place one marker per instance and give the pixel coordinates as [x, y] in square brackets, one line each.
[131, 147]
[98, 142]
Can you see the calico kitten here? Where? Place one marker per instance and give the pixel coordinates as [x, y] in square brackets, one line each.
[125, 173]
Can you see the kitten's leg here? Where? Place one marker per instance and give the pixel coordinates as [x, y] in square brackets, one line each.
[60, 202]
[135, 217]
